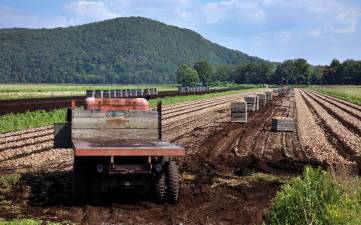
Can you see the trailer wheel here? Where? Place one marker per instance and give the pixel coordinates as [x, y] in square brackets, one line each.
[79, 181]
[159, 188]
[172, 182]
[95, 189]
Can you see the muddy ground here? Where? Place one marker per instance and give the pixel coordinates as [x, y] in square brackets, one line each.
[229, 176]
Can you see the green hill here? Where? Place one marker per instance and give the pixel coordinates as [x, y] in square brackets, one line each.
[122, 50]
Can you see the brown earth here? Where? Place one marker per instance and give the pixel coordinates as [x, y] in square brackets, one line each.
[229, 176]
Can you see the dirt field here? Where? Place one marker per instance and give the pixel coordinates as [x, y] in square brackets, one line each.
[229, 176]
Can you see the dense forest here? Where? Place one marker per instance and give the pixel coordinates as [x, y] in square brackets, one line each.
[122, 50]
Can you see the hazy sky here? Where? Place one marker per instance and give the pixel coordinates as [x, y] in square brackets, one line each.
[317, 30]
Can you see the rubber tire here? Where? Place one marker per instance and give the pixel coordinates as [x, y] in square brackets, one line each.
[80, 179]
[95, 194]
[159, 188]
[172, 182]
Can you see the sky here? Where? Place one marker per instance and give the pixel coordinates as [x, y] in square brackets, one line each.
[276, 30]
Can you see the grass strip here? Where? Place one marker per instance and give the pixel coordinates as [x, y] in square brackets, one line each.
[19, 121]
[350, 94]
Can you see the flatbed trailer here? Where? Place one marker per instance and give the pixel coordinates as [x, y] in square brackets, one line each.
[118, 145]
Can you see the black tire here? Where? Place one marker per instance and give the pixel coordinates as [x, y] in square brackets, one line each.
[95, 195]
[79, 181]
[172, 182]
[159, 188]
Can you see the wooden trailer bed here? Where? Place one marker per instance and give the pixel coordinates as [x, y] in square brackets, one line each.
[87, 147]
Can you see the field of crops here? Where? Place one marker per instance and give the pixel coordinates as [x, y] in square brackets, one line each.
[231, 171]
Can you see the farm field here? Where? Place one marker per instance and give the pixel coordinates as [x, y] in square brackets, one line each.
[347, 93]
[18, 121]
[229, 176]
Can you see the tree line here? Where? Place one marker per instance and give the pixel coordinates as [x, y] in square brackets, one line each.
[295, 71]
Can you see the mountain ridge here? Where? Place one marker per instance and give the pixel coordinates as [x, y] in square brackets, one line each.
[120, 50]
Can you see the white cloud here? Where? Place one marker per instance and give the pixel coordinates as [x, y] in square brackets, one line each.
[334, 16]
[238, 11]
[83, 11]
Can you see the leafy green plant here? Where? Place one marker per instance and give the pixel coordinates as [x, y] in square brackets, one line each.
[13, 122]
[316, 198]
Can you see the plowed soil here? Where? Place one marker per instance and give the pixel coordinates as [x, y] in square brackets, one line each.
[229, 175]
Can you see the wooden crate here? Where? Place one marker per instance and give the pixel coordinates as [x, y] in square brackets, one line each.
[283, 124]
[251, 102]
[239, 117]
[239, 111]
[239, 106]
[262, 99]
[268, 96]
[257, 102]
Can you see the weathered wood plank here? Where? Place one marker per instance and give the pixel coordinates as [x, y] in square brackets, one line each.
[115, 134]
[120, 113]
[89, 114]
[115, 123]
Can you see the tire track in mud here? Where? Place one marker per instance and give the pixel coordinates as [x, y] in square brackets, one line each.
[341, 146]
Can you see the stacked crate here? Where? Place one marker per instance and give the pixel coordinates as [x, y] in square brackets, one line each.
[257, 102]
[284, 90]
[283, 124]
[121, 93]
[276, 91]
[268, 96]
[262, 99]
[251, 102]
[239, 111]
